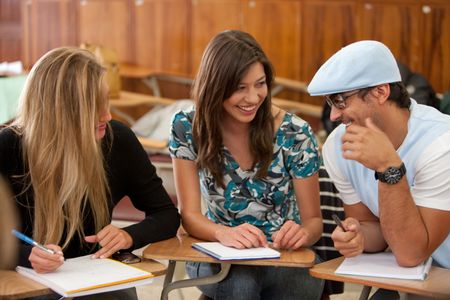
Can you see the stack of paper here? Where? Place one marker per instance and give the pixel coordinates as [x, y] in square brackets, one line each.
[382, 265]
[84, 276]
[221, 252]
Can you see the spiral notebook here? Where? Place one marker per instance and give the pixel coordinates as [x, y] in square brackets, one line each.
[382, 265]
[221, 252]
[84, 276]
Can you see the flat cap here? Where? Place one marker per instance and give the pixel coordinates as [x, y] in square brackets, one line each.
[356, 66]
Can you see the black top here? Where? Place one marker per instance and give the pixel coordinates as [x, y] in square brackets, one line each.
[130, 173]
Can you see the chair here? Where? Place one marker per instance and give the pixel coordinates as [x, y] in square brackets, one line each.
[330, 203]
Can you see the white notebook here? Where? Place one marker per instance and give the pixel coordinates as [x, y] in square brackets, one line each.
[382, 265]
[84, 276]
[221, 252]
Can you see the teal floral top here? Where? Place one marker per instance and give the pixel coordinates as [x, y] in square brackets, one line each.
[265, 203]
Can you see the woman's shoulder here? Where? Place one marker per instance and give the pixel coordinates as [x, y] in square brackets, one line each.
[9, 134]
[120, 133]
[293, 123]
[183, 116]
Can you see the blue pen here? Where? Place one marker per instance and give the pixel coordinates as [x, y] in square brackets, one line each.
[32, 242]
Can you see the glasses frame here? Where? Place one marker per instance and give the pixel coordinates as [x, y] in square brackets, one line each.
[339, 100]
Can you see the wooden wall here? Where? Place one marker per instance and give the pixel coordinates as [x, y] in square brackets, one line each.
[170, 35]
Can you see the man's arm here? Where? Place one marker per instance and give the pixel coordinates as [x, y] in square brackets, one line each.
[369, 227]
[412, 232]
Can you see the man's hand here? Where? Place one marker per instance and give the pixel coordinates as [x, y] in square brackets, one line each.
[44, 262]
[369, 146]
[290, 236]
[111, 239]
[350, 242]
[242, 236]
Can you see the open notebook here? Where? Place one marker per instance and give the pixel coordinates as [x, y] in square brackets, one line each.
[84, 276]
[382, 265]
[221, 252]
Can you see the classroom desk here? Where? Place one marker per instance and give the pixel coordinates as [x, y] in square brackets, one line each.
[15, 286]
[180, 249]
[437, 284]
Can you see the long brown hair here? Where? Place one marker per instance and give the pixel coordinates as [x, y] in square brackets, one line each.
[58, 114]
[225, 62]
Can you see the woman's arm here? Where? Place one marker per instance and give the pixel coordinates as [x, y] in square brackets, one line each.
[294, 236]
[132, 174]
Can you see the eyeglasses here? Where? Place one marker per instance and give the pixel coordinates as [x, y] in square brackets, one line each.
[339, 100]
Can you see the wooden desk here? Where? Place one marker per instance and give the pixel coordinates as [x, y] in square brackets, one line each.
[180, 249]
[15, 286]
[437, 285]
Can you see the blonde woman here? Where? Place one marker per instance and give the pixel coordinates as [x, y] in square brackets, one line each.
[68, 165]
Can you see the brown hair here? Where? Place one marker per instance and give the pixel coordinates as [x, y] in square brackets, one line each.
[225, 62]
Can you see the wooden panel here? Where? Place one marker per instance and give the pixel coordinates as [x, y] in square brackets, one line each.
[210, 17]
[327, 26]
[397, 25]
[275, 25]
[107, 23]
[10, 31]
[46, 24]
[162, 35]
[436, 55]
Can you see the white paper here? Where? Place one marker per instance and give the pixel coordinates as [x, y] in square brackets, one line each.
[221, 252]
[83, 275]
[382, 265]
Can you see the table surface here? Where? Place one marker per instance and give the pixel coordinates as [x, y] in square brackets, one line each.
[14, 285]
[437, 284]
[180, 248]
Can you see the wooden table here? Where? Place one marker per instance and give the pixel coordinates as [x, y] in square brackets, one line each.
[437, 284]
[180, 249]
[15, 286]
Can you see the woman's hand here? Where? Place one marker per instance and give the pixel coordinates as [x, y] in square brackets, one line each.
[242, 236]
[44, 262]
[111, 240]
[290, 236]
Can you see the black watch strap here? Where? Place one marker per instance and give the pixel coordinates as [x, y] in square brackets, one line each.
[392, 175]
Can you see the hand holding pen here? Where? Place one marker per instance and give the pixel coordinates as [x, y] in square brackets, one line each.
[347, 237]
[43, 259]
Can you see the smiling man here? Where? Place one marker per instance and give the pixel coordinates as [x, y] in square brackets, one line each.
[389, 159]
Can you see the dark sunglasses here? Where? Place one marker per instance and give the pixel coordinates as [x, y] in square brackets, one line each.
[339, 100]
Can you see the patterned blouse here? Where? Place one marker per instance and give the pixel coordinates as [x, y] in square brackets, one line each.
[265, 203]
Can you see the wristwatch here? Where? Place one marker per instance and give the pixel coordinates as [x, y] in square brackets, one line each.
[392, 175]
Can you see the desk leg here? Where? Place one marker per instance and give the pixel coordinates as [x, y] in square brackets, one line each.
[225, 268]
[365, 292]
[169, 272]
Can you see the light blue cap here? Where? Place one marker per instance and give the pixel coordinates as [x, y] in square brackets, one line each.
[356, 66]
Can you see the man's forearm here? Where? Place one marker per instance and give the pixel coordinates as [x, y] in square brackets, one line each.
[373, 236]
[402, 224]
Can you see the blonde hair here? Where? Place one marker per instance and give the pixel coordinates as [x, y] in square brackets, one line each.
[58, 114]
[8, 221]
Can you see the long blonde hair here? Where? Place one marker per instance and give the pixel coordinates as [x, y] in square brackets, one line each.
[58, 114]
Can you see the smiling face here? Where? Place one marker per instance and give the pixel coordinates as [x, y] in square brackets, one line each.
[244, 103]
[359, 106]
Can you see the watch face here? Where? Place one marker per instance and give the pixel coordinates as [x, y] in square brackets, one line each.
[392, 175]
